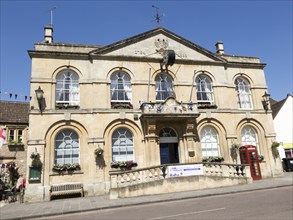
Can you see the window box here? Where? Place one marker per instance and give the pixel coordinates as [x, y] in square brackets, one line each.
[203, 105]
[16, 147]
[66, 106]
[121, 105]
[123, 165]
[62, 168]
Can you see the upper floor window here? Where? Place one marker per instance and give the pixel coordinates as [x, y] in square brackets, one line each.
[122, 145]
[67, 147]
[164, 87]
[67, 88]
[204, 89]
[209, 142]
[15, 135]
[249, 137]
[120, 87]
[243, 93]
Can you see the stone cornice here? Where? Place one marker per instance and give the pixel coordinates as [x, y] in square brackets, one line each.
[86, 56]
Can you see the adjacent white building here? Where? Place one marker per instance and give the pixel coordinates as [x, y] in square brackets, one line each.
[283, 123]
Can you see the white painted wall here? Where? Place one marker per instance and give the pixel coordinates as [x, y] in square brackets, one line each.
[283, 123]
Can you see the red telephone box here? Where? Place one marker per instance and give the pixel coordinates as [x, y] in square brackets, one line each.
[249, 155]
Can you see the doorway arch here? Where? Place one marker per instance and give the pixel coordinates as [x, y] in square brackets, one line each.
[168, 146]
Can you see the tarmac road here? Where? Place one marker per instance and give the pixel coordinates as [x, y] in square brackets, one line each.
[275, 203]
[83, 206]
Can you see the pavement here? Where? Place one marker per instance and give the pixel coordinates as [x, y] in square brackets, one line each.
[77, 205]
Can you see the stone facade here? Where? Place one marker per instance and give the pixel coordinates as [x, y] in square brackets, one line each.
[14, 119]
[143, 116]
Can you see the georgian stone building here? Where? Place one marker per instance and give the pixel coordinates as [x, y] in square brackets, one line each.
[154, 98]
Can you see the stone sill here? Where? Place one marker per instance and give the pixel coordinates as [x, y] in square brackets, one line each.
[66, 173]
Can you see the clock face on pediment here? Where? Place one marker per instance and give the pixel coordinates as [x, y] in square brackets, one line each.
[153, 46]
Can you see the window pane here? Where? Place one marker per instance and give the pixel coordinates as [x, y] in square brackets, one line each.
[67, 88]
[19, 136]
[243, 93]
[11, 135]
[249, 137]
[209, 142]
[67, 147]
[122, 145]
[164, 87]
[120, 87]
[204, 91]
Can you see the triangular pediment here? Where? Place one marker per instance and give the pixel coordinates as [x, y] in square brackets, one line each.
[150, 45]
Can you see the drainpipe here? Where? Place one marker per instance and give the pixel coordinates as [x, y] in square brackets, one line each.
[149, 85]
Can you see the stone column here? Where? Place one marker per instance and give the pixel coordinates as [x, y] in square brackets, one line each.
[231, 139]
[189, 137]
[153, 149]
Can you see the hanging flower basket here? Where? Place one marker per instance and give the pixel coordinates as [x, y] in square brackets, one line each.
[35, 155]
[235, 147]
[274, 148]
[99, 152]
[36, 162]
[260, 158]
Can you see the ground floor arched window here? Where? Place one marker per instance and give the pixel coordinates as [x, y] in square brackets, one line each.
[67, 147]
[249, 137]
[122, 145]
[209, 142]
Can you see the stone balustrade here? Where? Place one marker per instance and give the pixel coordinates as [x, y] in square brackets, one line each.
[144, 175]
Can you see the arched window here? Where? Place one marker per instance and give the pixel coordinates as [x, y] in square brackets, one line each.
[67, 147]
[167, 132]
[122, 145]
[168, 135]
[164, 87]
[120, 87]
[204, 89]
[243, 93]
[209, 142]
[67, 88]
[249, 137]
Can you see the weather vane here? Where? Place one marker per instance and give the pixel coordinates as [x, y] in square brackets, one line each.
[158, 17]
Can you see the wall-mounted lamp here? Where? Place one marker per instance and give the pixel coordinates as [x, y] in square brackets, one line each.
[40, 98]
[266, 101]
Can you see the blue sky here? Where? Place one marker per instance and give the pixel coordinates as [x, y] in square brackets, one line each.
[247, 28]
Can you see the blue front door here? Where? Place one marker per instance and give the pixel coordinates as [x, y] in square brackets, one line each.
[169, 153]
[164, 152]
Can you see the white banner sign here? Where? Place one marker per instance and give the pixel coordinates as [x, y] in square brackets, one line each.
[186, 170]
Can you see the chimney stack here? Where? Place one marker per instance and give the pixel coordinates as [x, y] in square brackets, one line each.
[48, 34]
[220, 47]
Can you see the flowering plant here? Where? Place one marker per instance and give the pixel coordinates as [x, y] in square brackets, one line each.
[235, 146]
[35, 156]
[213, 159]
[274, 147]
[9, 173]
[10, 165]
[260, 158]
[99, 152]
[60, 168]
[123, 165]
[13, 142]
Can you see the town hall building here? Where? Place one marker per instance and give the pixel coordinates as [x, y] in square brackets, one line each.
[152, 99]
